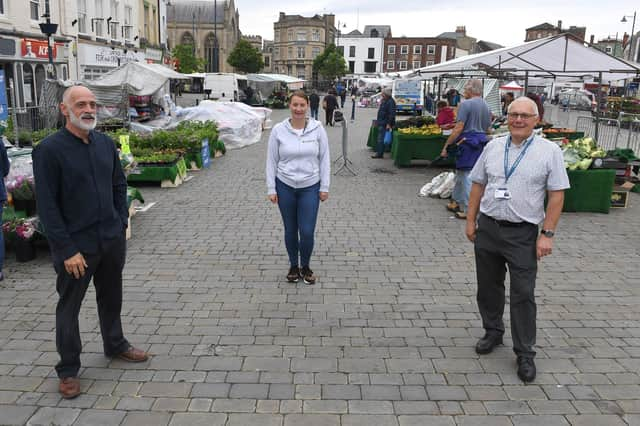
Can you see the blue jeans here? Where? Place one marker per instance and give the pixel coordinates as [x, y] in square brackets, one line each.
[314, 113]
[462, 189]
[299, 210]
[380, 142]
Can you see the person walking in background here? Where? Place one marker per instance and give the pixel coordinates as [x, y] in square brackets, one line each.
[330, 104]
[470, 135]
[4, 168]
[298, 172]
[385, 120]
[82, 203]
[342, 92]
[511, 180]
[314, 104]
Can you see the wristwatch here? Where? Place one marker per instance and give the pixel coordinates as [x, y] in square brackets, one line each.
[547, 233]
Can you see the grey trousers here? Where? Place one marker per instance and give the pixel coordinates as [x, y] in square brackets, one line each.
[496, 247]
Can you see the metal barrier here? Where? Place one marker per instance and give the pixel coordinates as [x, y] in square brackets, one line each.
[607, 132]
[630, 131]
[34, 118]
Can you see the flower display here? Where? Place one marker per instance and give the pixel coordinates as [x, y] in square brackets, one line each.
[23, 229]
[21, 187]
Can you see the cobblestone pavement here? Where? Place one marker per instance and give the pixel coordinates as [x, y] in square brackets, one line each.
[385, 337]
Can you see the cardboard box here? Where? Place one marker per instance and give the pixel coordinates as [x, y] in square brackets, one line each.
[619, 198]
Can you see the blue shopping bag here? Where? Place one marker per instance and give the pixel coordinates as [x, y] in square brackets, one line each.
[387, 137]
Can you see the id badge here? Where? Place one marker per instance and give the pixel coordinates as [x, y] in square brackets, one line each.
[502, 194]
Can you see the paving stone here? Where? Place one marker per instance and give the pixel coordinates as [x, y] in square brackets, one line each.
[169, 390]
[508, 408]
[426, 420]
[483, 421]
[48, 415]
[381, 392]
[341, 392]
[146, 419]
[326, 406]
[254, 420]
[101, 417]
[268, 407]
[234, 405]
[170, 404]
[311, 420]
[366, 420]
[538, 420]
[416, 407]
[198, 419]
[210, 390]
[200, 404]
[128, 403]
[249, 391]
[594, 419]
[370, 407]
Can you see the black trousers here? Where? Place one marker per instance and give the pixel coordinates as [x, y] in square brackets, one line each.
[496, 247]
[329, 116]
[106, 270]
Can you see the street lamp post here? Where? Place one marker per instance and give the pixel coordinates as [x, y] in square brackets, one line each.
[633, 26]
[48, 29]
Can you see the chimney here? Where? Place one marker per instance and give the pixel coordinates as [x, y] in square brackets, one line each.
[592, 38]
[281, 16]
[461, 29]
[560, 25]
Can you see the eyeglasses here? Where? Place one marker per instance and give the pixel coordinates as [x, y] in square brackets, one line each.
[520, 116]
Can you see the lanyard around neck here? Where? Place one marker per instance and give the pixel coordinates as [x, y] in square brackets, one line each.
[508, 172]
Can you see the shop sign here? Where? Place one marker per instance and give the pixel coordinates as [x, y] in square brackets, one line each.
[32, 48]
[154, 55]
[206, 153]
[106, 56]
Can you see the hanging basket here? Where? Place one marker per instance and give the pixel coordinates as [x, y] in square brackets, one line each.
[25, 250]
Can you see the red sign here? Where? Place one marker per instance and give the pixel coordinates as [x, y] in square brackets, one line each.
[32, 48]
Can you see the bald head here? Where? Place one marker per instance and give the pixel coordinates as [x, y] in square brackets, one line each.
[73, 92]
[525, 102]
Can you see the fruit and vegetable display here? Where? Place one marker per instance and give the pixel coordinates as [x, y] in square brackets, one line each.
[579, 154]
[425, 130]
[415, 122]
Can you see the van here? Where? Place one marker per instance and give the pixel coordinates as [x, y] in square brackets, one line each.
[408, 95]
[221, 87]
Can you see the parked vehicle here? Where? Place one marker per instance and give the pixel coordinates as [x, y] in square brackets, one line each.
[408, 95]
[221, 87]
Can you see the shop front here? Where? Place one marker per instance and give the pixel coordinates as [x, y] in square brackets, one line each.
[96, 60]
[25, 61]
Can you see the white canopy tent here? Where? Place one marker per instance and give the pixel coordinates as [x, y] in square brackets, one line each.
[140, 79]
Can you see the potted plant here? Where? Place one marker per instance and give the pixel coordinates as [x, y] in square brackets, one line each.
[22, 232]
[23, 194]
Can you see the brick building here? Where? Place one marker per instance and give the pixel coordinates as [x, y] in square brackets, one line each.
[407, 53]
[548, 30]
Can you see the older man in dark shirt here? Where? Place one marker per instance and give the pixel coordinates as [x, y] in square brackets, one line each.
[82, 204]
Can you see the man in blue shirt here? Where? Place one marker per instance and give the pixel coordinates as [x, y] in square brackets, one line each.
[82, 203]
[385, 120]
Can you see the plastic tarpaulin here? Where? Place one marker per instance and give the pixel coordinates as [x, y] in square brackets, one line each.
[238, 124]
[139, 79]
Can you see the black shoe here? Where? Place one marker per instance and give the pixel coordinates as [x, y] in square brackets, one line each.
[487, 343]
[376, 156]
[526, 369]
[294, 274]
[307, 275]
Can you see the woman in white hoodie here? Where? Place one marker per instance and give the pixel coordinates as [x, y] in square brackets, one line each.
[298, 173]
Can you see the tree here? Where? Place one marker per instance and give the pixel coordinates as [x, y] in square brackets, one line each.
[330, 63]
[245, 58]
[187, 62]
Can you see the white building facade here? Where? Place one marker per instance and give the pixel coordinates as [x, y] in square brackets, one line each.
[363, 55]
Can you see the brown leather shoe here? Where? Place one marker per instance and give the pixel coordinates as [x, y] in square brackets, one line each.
[133, 355]
[69, 387]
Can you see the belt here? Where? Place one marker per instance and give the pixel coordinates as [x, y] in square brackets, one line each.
[507, 223]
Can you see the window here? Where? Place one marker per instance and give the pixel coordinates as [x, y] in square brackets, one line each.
[290, 52]
[374, 33]
[431, 49]
[128, 19]
[99, 12]
[391, 49]
[34, 9]
[1, 7]
[186, 38]
[402, 65]
[370, 67]
[371, 53]
[82, 16]
[608, 49]
[300, 70]
[290, 35]
[315, 35]
[417, 49]
[404, 49]
[389, 65]
[146, 22]
[301, 52]
[276, 35]
[430, 63]
[340, 50]
[210, 54]
[315, 52]
[276, 52]
[352, 66]
[416, 65]
[352, 51]
[266, 61]
[301, 35]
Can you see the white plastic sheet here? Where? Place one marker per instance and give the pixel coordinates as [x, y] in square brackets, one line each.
[238, 124]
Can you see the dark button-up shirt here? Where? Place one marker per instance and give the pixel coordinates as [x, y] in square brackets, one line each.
[387, 113]
[81, 192]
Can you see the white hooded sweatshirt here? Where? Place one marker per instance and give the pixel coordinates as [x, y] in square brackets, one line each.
[299, 158]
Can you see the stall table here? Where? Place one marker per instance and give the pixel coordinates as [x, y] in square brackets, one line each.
[590, 190]
[405, 148]
[372, 139]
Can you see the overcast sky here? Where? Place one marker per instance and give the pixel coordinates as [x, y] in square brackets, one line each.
[501, 22]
